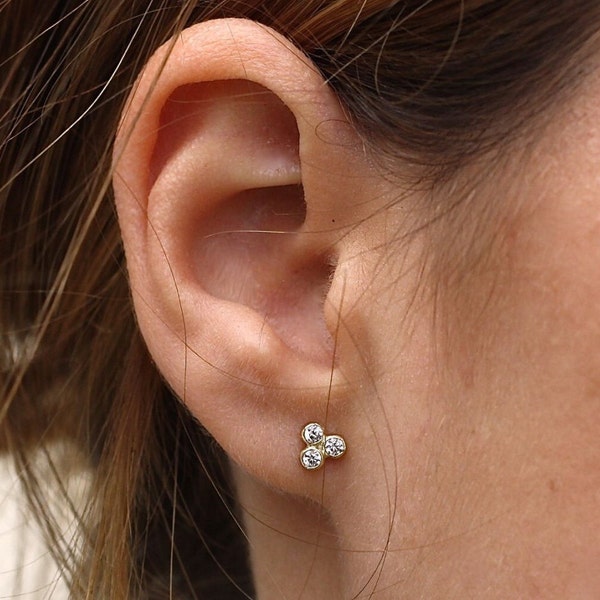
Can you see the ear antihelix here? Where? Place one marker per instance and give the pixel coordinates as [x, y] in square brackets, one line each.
[228, 195]
[246, 125]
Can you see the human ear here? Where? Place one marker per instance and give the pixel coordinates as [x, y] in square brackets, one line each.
[233, 173]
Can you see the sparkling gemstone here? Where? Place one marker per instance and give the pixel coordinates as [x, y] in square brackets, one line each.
[312, 433]
[311, 458]
[335, 446]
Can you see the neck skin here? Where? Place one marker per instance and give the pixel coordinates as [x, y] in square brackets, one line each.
[298, 550]
[291, 543]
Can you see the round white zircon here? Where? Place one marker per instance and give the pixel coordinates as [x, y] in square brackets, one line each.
[312, 433]
[311, 458]
[335, 446]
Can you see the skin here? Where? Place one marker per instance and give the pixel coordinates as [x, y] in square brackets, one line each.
[492, 472]
[459, 360]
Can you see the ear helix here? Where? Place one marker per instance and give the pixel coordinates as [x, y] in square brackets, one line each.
[226, 190]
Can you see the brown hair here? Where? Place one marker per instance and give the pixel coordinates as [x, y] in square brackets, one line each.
[434, 83]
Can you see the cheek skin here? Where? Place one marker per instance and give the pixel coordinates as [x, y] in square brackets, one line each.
[500, 472]
[520, 392]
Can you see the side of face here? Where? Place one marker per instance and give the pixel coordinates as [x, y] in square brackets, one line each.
[485, 349]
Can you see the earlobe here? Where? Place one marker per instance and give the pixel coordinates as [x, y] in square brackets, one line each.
[226, 218]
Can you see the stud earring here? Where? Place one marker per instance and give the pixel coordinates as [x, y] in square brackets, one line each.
[319, 447]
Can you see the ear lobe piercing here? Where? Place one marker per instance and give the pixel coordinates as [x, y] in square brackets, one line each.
[319, 447]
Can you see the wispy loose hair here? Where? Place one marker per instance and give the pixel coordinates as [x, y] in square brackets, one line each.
[429, 83]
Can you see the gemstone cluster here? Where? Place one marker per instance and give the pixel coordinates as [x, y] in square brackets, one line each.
[319, 446]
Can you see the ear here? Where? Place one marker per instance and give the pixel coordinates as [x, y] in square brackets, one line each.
[232, 183]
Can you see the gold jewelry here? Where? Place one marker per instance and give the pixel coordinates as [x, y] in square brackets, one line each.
[319, 447]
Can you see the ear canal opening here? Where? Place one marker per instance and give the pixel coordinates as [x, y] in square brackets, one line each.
[245, 241]
[249, 254]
